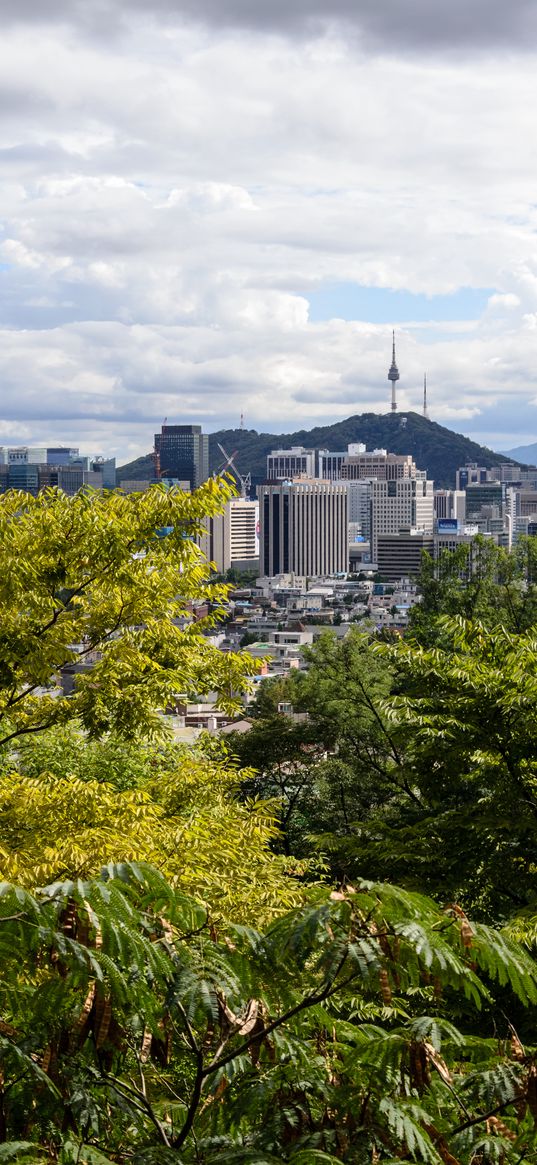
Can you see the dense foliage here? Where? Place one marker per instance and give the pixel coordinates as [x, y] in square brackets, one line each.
[108, 579]
[175, 986]
[434, 448]
[417, 758]
[132, 1031]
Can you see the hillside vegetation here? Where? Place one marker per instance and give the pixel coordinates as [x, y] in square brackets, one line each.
[433, 447]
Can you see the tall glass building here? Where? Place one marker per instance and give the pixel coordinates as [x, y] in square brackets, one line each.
[182, 452]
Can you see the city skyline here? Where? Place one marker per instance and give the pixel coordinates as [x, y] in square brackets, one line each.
[212, 210]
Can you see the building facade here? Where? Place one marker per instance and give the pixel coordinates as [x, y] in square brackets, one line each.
[232, 538]
[330, 463]
[182, 452]
[401, 504]
[284, 464]
[377, 463]
[303, 528]
[400, 555]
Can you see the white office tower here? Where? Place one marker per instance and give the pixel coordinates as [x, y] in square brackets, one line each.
[401, 504]
[303, 528]
[26, 455]
[450, 504]
[330, 463]
[285, 464]
[232, 538]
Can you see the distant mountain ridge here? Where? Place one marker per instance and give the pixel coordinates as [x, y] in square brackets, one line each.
[527, 454]
[438, 450]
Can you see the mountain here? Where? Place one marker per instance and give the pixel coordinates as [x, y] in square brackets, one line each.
[433, 447]
[527, 454]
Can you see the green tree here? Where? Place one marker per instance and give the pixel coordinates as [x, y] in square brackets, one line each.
[340, 765]
[286, 755]
[467, 713]
[477, 580]
[131, 1031]
[79, 804]
[110, 580]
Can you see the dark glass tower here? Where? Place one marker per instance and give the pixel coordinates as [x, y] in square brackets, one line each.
[182, 452]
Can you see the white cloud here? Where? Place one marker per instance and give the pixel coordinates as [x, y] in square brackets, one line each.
[170, 197]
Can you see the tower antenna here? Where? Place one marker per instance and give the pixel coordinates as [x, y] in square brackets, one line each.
[425, 413]
[393, 374]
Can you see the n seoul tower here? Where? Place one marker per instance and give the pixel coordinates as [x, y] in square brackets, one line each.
[393, 374]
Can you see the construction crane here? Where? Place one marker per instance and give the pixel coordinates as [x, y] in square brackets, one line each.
[244, 480]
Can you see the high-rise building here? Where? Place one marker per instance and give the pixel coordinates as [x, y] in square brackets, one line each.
[330, 463]
[450, 503]
[377, 463]
[27, 455]
[61, 455]
[487, 493]
[400, 504]
[400, 555]
[303, 528]
[360, 506]
[285, 464]
[232, 538]
[471, 474]
[182, 452]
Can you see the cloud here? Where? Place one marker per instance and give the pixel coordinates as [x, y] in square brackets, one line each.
[386, 25]
[172, 192]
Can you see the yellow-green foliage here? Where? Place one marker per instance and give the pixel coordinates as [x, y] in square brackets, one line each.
[109, 578]
[186, 822]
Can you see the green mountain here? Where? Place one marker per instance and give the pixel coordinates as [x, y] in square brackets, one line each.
[433, 447]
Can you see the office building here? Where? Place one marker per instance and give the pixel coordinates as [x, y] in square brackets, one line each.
[27, 455]
[34, 469]
[182, 452]
[471, 474]
[400, 555]
[377, 463]
[450, 504]
[61, 455]
[285, 464]
[330, 463]
[303, 528]
[487, 493]
[401, 504]
[232, 538]
[359, 493]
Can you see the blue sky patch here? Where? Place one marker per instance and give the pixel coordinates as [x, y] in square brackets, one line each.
[378, 305]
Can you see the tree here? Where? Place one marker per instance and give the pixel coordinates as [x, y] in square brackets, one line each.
[340, 765]
[286, 754]
[477, 580]
[466, 824]
[132, 1031]
[108, 580]
[77, 805]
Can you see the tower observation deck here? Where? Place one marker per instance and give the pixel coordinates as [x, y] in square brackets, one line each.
[393, 375]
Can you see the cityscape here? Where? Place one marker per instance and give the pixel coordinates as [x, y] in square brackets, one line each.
[268, 597]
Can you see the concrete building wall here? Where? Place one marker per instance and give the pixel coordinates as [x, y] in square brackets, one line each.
[284, 464]
[232, 537]
[405, 503]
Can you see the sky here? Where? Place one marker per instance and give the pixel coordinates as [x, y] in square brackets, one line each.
[211, 208]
